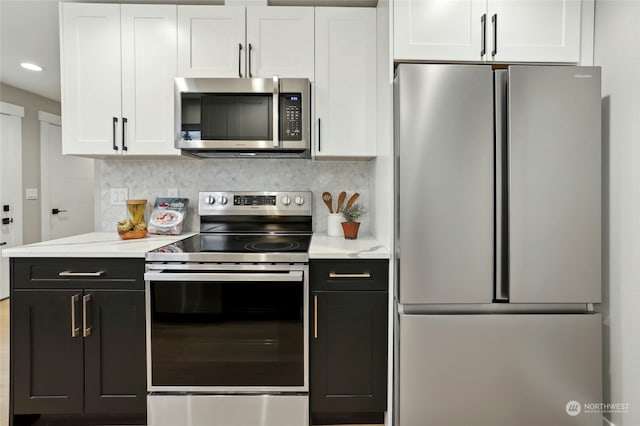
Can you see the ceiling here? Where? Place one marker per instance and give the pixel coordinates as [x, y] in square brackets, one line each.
[29, 32]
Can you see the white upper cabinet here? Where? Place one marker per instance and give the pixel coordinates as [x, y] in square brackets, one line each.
[535, 30]
[345, 88]
[234, 41]
[148, 72]
[211, 41]
[440, 30]
[488, 30]
[118, 63]
[90, 65]
[280, 41]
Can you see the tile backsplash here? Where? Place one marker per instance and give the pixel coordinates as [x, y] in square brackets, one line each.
[149, 179]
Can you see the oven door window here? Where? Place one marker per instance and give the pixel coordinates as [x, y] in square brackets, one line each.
[227, 333]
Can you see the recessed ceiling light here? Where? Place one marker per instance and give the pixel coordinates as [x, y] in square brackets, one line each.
[31, 66]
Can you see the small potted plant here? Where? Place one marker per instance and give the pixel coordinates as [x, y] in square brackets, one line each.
[350, 225]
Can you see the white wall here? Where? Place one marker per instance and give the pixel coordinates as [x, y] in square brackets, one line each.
[382, 171]
[617, 42]
[31, 103]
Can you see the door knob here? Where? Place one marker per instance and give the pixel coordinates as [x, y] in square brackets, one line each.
[7, 220]
[56, 211]
[3, 243]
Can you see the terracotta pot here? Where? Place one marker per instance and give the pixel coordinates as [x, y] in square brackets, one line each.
[350, 230]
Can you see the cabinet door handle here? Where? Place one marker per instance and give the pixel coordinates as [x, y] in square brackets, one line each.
[124, 124]
[115, 124]
[315, 316]
[494, 21]
[483, 34]
[319, 147]
[80, 274]
[250, 48]
[339, 275]
[75, 331]
[86, 329]
[240, 60]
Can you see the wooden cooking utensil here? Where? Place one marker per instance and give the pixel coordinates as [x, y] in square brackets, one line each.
[352, 200]
[328, 200]
[341, 198]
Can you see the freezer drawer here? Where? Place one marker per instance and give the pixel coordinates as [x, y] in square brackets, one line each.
[498, 370]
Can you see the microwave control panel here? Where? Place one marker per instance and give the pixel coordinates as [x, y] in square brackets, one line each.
[291, 116]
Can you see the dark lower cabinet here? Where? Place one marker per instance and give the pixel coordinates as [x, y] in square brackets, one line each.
[114, 353]
[78, 351]
[348, 350]
[48, 375]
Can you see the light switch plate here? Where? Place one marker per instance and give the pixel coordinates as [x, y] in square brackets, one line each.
[31, 193]
[119, 196]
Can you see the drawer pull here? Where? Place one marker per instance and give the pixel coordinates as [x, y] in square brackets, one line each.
[86, 329]
[80, 274]
[75, 331]
[339, 275]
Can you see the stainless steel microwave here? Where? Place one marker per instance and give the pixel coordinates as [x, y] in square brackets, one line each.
[243, 117]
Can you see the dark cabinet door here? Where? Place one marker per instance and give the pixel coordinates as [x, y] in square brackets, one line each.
[47, 357]
[115, 366]
[349, 352]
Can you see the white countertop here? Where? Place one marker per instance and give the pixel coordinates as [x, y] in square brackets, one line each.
[108, 244]
[364, 247]
[94, 244]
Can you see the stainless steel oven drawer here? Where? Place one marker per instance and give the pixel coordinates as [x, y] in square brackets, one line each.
[229, 410]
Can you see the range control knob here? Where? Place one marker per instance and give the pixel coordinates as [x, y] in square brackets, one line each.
[223, 200]
[286, 200]
[299, 200]
[210, 199]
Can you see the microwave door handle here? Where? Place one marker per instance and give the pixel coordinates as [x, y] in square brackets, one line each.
[276, 111]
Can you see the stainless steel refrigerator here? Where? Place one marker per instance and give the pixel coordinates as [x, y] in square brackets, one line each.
[498, 245]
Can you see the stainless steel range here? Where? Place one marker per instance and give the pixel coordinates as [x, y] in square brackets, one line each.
[227, 315]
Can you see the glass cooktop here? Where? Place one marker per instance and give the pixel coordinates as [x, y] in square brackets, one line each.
[245, 243]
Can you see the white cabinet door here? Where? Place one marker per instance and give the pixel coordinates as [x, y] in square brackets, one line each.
[439, 29]
[345, 89]
[534, 30]
[211, 41]
[148, 72]
[90, 42]
[280, 42]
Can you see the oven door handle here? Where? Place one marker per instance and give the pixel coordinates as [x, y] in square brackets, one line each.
[224, 276]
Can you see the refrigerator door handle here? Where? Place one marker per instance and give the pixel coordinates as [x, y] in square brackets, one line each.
[501, 290]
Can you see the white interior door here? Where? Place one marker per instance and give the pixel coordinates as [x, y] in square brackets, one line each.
[10, 185]
[67, 185]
